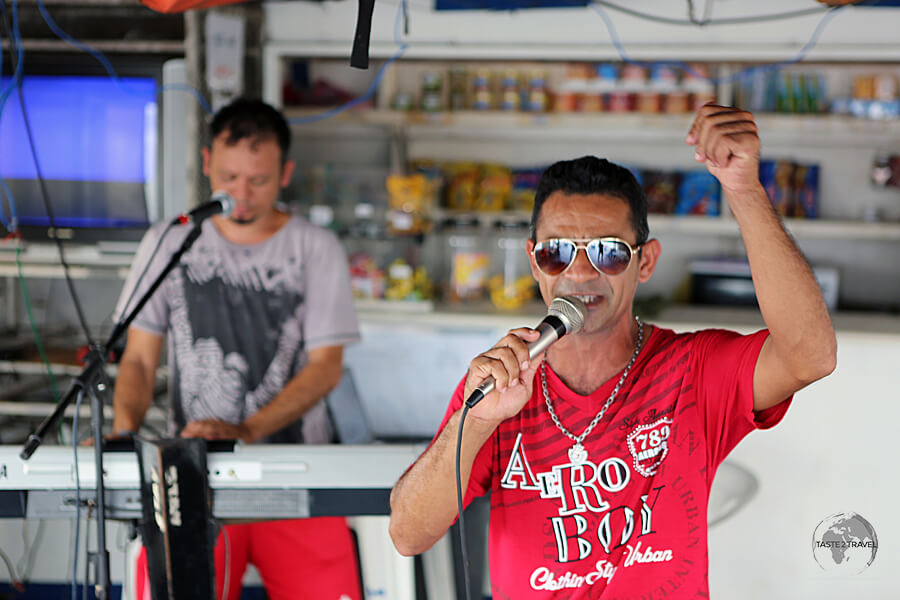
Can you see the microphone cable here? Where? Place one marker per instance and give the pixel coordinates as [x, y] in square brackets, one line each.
[459, 503]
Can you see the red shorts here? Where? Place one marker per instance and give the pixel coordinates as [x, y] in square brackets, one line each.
[296, 559]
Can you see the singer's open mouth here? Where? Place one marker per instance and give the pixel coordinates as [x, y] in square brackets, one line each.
[590, 300]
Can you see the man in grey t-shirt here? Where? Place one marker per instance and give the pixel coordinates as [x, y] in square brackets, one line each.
[256, 316]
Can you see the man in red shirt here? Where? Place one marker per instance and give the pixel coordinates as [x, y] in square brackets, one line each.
[600, 453]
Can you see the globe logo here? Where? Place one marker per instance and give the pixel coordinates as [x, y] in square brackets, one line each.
[845, 543]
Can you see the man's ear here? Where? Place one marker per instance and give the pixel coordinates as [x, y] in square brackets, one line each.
[648, 256]
[204, 151]
[529, 248]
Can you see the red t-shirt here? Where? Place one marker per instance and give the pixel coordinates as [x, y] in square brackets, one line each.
[630, 521]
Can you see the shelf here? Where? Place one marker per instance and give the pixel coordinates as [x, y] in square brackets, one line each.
[85, 262]
[801, 228]
[724, 226]
[774, 128]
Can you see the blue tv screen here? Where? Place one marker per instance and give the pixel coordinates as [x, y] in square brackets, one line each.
[96, 143]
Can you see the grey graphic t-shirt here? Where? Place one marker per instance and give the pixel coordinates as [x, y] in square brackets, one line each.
[240, 319]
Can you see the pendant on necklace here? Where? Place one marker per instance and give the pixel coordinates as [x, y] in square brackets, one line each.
[577, 454]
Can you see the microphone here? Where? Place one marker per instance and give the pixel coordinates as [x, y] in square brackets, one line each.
[565, 315]
[221, 202]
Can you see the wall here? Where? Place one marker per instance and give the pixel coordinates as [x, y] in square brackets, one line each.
[853, 33]
[832, 453]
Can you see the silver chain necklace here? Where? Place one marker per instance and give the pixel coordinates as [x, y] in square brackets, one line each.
[577, 453]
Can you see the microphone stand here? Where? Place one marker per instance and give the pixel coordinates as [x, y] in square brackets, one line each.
[91, 380]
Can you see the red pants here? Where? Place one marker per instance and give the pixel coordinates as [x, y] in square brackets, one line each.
[297, 559]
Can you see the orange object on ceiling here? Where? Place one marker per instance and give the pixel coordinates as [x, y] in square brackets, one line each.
[177, 6]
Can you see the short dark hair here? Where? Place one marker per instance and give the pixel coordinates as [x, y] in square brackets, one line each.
[246, 118]
[592, 175]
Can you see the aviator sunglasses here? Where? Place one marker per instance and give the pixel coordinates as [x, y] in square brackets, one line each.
[609, 255]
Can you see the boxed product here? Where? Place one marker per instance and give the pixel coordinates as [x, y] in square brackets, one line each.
[661, 189]
[806, 191]
[792, 187]
[698, 194]
[777, 177]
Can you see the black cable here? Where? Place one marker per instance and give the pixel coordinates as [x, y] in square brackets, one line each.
[459, 504]
[690, 13]
[707, 11]
[726, 21]
[49, 208]
[43, 184]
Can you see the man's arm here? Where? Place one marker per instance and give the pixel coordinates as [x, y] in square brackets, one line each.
[135, 380]
[801, 347]
[320, 375]
[423, 502]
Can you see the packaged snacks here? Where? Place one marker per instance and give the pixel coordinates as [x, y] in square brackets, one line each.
[410, 199]
[366, 280]
[524, 186]
[511, 296]
[494, 188]
[461, 191]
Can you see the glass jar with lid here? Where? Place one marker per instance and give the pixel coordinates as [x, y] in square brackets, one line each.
[468, 257]
[511, 283]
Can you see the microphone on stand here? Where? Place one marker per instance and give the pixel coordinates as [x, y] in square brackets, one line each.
[220, 203]
[565, 315]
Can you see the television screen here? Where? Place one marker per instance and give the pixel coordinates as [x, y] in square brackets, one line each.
[96, 143]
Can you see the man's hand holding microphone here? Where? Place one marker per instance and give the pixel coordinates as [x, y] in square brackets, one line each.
[509, 367]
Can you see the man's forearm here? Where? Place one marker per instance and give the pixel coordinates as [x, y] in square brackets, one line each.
[132, 397]
[299, 395]
[423, 502]
[789, 298]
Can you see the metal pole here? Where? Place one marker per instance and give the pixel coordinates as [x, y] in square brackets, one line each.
[101, 558]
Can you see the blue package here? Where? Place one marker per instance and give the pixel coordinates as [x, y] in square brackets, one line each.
[806, 191]
[698, 194]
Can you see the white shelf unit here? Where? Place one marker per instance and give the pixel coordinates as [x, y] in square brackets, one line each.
[856, 219]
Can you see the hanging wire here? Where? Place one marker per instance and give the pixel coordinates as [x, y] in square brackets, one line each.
[799, 57]
[107, 65]
[725, 21]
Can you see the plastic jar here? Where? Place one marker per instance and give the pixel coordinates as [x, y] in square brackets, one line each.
[432, 92]
[510, 96]
[468, 254]
[567, 96]
[482, 90]
[511, 284]
[538, 99]
[591, 100]
[459, 91]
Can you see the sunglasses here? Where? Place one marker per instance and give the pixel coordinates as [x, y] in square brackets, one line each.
[609, 255]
